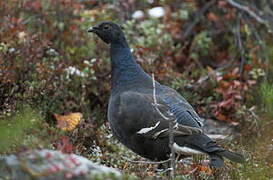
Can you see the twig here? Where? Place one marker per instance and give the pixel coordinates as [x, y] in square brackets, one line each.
[241, 49]
[192, 171]
[255, 118]
[166, 170]
[146, 162]
[171, 132]
[155, 101]
[248, 10]
[171, 145]
[197, 18]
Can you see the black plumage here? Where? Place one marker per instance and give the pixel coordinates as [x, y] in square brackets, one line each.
[133, 117]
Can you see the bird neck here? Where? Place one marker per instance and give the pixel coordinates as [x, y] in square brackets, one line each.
[124, 67]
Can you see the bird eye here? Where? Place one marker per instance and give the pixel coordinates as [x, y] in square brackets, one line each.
[106, 27]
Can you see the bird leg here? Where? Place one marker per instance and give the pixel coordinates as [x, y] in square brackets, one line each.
[162, 168]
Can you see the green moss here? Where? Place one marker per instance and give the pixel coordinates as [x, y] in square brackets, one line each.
[266, 93]
[253, 168]
[16, 127]
[112, 177]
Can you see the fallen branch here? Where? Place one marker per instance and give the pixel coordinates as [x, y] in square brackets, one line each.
[146, 162]
[165, 170]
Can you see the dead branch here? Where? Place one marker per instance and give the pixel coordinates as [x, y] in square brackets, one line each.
[240, 45]
[171, 132]
[145, 162]
[247, 10]
[155, 101]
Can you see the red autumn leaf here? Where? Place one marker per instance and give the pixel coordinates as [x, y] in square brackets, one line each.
[236, 83]
[73, 27]
[235, 70]
[226, 104]
[14, 20]
[230, 16]
[64, 145]
[251, 82]
[247, 67]
[68, 122]
[212, 17]
[238, 96]
[234, 123]
[221, 117]
[219, 78]
[206, 169]
[230, 76]
[35, 5]
[222, 3]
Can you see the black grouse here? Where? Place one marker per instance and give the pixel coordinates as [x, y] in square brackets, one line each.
[132, 114]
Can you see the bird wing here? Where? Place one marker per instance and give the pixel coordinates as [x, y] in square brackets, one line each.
[145, 118]
[180, 107]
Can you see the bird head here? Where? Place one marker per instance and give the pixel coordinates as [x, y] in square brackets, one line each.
[109, 32]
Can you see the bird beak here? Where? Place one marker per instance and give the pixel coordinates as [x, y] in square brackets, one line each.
[93, 29]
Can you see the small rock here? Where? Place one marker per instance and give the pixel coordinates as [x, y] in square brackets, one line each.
[217, 127]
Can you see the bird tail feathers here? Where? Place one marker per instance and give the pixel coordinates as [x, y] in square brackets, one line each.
[235, 157]
[216, 161]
